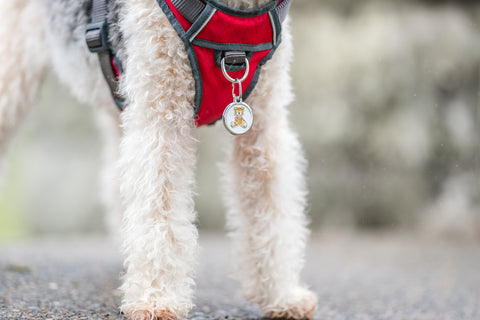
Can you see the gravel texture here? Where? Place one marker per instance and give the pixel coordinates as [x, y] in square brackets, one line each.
[356, 277]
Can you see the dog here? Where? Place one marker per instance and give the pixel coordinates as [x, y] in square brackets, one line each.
[150, 151]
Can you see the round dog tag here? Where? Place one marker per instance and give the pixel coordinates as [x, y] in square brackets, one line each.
[238, 118]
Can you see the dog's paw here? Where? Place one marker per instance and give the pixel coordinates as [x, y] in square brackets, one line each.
[144, 314]
[300, 310]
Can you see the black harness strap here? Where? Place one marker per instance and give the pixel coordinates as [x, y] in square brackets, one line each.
[191, 9]
[282, 9]
[96, 35]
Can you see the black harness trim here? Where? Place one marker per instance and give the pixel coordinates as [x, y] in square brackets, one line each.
[96, 36]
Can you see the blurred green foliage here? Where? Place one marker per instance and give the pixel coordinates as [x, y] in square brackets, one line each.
[12, 224]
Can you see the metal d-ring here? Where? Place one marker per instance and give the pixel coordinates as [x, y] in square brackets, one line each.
[227, 76]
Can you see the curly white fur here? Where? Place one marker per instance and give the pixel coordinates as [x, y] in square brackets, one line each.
[157, 154]
[157, 166]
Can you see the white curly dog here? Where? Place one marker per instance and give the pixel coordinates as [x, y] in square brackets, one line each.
[151, 188]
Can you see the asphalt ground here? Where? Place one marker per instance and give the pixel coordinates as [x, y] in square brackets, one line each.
[356, 277]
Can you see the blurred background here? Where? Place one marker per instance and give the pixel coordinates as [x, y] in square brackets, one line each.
[387, 108]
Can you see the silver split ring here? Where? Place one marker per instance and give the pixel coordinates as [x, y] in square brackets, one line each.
[227, 76]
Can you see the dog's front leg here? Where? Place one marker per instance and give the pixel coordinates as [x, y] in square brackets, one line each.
[157, 160]
[266, 196]
[159, 237]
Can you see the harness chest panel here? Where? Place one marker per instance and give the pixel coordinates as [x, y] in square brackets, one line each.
[216, 30]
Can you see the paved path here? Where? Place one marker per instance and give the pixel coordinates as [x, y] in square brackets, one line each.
[358, 277]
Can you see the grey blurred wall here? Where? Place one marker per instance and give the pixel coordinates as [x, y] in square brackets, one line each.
[387, 109]
[394, 98]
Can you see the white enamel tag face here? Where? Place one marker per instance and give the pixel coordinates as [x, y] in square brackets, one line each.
[238, 118]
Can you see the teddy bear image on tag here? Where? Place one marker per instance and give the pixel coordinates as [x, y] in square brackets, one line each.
[238, 118]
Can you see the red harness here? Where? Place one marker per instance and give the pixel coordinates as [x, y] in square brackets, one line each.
[209, 30]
